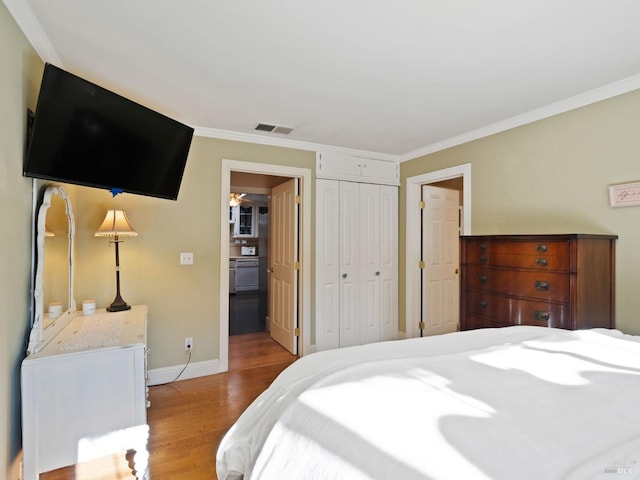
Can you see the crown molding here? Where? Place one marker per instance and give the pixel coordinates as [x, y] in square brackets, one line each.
[30, 26]
[286, 143]
[626, 85]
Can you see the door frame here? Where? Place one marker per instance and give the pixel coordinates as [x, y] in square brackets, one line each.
[304, 275]
[412, 239]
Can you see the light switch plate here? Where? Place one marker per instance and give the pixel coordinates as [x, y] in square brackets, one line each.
[186, 258]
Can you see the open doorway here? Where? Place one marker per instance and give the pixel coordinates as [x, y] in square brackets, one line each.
[249, 253]
[454, 178]
[251, 177]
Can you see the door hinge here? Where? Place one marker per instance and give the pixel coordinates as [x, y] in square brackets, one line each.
[296, 265]
[421, 265]
[421, 325]
[298, 199]
[422, 204]
[296, 332]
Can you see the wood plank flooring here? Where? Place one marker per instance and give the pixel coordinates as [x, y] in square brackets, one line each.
[188, 418]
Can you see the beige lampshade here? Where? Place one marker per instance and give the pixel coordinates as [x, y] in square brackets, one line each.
[116, 223]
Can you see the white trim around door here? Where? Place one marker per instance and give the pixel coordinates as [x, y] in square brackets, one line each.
[304, 290]
[412, 280]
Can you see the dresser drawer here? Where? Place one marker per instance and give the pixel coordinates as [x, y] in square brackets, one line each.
[478, 303]
[553, 247]
[548, 286]
[524, 260]
[502, 310]
[476, 277]
[530, 312]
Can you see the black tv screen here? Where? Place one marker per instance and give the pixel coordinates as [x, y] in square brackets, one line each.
[87, 135]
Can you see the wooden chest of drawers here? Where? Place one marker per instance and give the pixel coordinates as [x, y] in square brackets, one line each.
[563, 281]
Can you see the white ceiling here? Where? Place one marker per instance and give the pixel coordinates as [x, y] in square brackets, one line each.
[395, 77]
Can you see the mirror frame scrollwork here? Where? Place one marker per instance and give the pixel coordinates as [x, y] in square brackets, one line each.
[40, 336]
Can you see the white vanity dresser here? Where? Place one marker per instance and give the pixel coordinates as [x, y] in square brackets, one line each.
[84, 392]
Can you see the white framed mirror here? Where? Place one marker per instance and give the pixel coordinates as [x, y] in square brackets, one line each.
[53, 285]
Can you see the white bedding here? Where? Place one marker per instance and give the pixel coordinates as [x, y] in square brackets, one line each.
[515, 402]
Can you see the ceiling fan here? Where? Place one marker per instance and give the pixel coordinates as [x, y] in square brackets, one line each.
[236, 199]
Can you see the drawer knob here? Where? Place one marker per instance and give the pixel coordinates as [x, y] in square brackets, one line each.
[541, 247]
[377, 274]
[543, 262]
[540, 315]
[483, 304]
[541, 285]
[344, 275]
[483, 258]
[482, 278]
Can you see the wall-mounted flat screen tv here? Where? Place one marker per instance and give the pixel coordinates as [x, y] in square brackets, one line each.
[87, 135]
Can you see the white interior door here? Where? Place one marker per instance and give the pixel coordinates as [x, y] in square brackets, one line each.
[283, 255]
[350, 243]
[441, 257]
[369, 211]
[327, 264]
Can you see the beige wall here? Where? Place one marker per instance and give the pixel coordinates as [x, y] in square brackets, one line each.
[20, 75]
[183, 300]
[551, 177]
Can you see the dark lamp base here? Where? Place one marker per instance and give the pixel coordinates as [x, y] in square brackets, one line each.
[118, 305]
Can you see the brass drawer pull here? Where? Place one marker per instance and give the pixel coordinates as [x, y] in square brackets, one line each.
[483, 304]
[543, 262]
[541, 247]
[482, 278]
[540, 315]
[541, 285]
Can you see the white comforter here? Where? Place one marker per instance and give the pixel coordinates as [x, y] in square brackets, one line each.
[517, 402]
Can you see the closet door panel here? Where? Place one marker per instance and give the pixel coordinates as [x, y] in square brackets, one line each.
[369, 240]
[350, 275]
[327, 264]
[388, 212]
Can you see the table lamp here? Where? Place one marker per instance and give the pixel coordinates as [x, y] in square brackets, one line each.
[116, 225]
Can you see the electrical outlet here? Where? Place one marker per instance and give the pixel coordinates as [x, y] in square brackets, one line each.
[188, 344]
[186, 258]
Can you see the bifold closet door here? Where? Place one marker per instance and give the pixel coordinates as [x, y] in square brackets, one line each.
[350, 243]
[356, 263]
[327, 264]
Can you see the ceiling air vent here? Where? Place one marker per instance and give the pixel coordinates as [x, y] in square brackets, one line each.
[265, 127]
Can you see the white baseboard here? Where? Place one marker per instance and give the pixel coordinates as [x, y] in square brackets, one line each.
[193, 370]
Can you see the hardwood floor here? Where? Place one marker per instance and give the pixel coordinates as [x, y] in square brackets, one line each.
[188, 418]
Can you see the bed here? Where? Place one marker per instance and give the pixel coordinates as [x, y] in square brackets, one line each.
[515, 402]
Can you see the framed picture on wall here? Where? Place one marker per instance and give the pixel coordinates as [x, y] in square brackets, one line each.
[624, 194]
